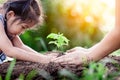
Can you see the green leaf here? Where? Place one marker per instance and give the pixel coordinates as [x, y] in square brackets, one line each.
[21, 77]
[31, 75]
[58, 39]
[52, 36]
[10, 69]
[0, 77]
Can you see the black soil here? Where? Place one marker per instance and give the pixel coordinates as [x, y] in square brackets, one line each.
[50, 71]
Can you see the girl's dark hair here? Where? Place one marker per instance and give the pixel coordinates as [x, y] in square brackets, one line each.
[26, 10]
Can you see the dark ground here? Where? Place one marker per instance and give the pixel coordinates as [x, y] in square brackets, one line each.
[50, 71]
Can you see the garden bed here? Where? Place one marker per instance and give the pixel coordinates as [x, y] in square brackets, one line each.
[51, 70]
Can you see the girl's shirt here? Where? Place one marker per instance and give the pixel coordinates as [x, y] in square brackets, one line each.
[2, 55]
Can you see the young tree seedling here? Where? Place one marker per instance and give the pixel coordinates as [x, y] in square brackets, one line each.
[59, 40]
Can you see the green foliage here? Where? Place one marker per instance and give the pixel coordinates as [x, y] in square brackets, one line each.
[58, 39]
[33, 39]
[66, 75]
[0, 77]
[96, 71]
[10, 69]
[75, 26]
[42, 42]
[46, 75]
[116, 53]
[2, 1]
[31, 75]
[21, 77]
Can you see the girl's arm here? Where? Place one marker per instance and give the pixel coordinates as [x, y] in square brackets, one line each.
[17, 42]
[15, 52]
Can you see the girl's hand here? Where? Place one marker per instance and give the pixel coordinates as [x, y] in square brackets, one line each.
[75, 56]
[48, 58]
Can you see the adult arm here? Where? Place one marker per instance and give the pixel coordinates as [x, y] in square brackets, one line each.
[111, 42]
[107, 45]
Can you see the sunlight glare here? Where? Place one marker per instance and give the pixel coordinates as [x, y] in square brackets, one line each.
[104, 9]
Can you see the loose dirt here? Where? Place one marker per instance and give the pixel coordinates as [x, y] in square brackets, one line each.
[50, 71]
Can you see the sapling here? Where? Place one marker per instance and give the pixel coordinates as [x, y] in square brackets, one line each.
[59, 40]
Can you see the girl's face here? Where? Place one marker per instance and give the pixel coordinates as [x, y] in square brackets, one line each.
[16, 27]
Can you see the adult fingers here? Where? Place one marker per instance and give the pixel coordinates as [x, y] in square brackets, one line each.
[62, 59]
[71, 50]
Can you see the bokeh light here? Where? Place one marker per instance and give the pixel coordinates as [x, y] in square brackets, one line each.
[82, 21]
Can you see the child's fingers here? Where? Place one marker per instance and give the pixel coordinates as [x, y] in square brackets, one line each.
[62, 60]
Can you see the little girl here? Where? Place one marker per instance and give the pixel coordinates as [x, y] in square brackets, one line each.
[17, 16]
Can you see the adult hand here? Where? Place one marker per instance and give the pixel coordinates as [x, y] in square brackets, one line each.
[54, 55]
[77, 49]
[75, 56]
[45, 59]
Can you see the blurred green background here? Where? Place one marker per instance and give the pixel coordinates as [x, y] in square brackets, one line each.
[83, 22]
